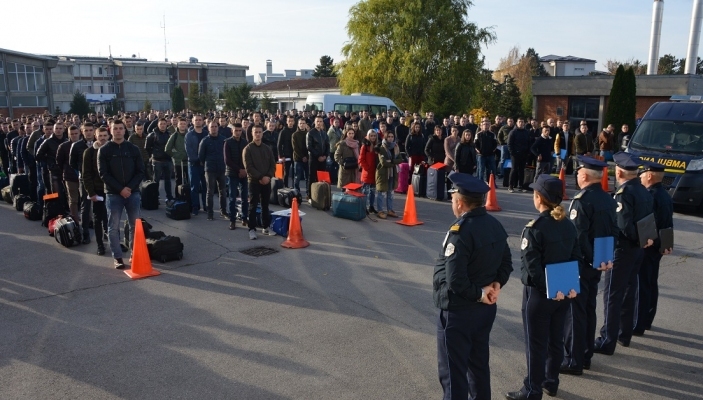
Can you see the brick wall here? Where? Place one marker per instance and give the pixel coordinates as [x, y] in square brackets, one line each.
[547, 107]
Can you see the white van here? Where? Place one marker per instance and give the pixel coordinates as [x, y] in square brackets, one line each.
[356, 102]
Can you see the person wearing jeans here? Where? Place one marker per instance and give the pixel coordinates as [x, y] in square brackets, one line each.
[236, 174]
[260, 165]
[486, 144]
[196, 172]
[300, 154]
[211, 155]
[162, 162]
[121, 168]
[519, 146]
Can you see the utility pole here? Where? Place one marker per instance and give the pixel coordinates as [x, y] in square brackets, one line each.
[163, 26]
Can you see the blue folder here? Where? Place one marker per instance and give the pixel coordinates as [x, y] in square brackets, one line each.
[508, 164]
[603, 249]
[562, 154]
[562, 277]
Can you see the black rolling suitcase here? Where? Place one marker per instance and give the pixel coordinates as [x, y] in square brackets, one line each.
[275, 185]
[19, 200]
[67, 232]
[183, 190]
[32, 211]
[419, 180]
[166, 248]
[150, 195]
[19, 184]
[286, 196]
[436, 178]
[179, 210]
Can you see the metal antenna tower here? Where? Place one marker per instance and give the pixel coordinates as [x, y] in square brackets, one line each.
[163, 26]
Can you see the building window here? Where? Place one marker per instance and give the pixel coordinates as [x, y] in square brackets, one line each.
[25, 78]
[85, 71]
[109, 71]
[65, 69]
[3, 101]
[29, 101]
[584, 108]
[2, 80]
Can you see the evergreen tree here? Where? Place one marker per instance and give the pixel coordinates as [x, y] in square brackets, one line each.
[325, 69]
[79, 105]
[630, 99]
[668, 64]
[178, 101]
[509, 101]
[194, 101]
[266, 103]
[622, 102]
[239, 98]
[147, 106]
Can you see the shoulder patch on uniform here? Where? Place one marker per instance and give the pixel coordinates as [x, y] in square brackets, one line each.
[573, 214]
[449, 250]
[529, 224]
[454, 228]
[619, 207]
[620, 191]
[579, 195]
[524, 244]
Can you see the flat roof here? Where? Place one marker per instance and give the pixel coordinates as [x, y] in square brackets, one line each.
[556, 58]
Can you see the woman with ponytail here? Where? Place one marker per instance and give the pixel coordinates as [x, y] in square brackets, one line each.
[548, 239]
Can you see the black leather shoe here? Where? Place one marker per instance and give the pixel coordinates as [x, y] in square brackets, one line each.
[518, 395]
[549, 392]
[638, 332]
[599, 350]
[587, 364]
[232, 226]
[624, 343]
[101, 250]
[565, 369]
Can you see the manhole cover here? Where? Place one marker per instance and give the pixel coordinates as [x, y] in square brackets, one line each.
[258, 251]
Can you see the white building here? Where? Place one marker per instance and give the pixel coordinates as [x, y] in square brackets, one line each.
[290, 94]
[567, 66]
[271, 76]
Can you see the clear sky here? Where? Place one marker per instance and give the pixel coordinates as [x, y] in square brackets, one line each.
[295, 34]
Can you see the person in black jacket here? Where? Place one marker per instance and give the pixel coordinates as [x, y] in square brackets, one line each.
[46, 155]
[285, 150]
[318, 145]
[94, 186]
[211, 155]
[434, 149]
[415, 145]
[162, 162]
[593, 214]
[543, 150]
[473, 266]
[648, 293]
[401, 134]
[236, 174]
[75, 160]
[548, 239]
[519, 147]
[121, 169]
[465, 154]
[486, 145]
[70, 175]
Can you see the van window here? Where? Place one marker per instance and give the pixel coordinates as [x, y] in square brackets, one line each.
[342, 108]
[313, 106]
[377, 109]
[669, 136]
[359, 107]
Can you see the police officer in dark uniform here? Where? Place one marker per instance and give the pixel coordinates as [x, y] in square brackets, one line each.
[648, 292]
[633, 204]
[548, 239]
[473, 266]
[592, 212]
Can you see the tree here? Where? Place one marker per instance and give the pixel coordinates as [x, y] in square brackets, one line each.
[266, 103]
[682, 66]
[509, 101]
[611, 65]
[622, 102]
[112, 107]
[522, 68]
[409, 51]
[147, 106]
[178, 101]
[325, 69]
[485, 93]
[239, 98]
[194, 102]
[668, 64]
[79, 105]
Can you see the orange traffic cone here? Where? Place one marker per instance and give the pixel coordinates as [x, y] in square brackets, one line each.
[492, 200]
[562, 176]
[141, 263]
[410, 214]
[295, 238]
[605, 181]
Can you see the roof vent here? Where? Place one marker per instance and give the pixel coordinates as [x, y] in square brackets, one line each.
[192, 60]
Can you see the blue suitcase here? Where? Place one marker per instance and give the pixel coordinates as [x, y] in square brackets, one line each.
[281, 223]
[349, 206]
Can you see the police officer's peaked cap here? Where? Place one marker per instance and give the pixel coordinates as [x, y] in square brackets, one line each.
[467, 184]
[590, 163]
[549, 187]
[652, 166]
[627, 161]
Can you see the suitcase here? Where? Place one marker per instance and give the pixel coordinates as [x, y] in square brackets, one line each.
[52, 224]
[179, 210]
[7, 194]
[286, 196]
[19, 184]
[436, 182]
[529, 177]
[52, 209]
[276, 184]
[349, 206]
[321, 195]
[32, 211]
[18, 201]
[183, 190]
[166, 248]
[150, 195]
[67, 232]
[403, 178]
[419, 183]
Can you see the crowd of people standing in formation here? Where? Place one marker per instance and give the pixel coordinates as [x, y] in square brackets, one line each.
[560, 332]
[98, 164]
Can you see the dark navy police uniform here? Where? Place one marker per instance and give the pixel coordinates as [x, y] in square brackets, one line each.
[648, 293]
[592, 212]
[620, 283]
[544, 241]
[475, 253]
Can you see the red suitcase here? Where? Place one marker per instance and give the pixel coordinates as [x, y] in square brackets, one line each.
[403, 178]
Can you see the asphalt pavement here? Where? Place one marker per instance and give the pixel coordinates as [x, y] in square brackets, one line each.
[350, 317]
